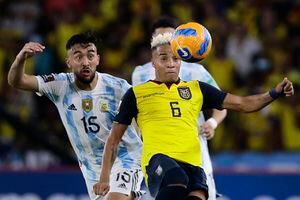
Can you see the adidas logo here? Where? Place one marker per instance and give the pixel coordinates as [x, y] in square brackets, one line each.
[137, 194]
[122, 185]
[72, 107]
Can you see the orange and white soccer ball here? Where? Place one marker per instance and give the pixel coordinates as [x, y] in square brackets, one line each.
[191, 42]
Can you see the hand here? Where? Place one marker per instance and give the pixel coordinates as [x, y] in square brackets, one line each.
[207, 130]
[101, 188]
[285, 87]
[29, 50]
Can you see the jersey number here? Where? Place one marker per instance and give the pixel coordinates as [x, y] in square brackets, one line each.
[124, 176]
[175, 109]
[90, 125]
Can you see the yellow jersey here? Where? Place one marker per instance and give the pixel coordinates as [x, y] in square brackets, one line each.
[167, 117]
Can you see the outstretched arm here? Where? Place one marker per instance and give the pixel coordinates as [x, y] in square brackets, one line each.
[109, 156]
[256, 102]
[16, 75]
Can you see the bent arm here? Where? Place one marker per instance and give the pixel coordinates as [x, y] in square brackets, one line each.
[256, 102]
[16, 75]
[110, 150]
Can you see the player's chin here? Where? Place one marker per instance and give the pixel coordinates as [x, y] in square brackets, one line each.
[172, 77]
[86, 79]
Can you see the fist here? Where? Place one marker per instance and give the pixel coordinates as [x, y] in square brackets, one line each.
[101, 188]
[285, 87]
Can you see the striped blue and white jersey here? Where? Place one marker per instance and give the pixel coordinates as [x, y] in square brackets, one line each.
[88, 116]
[188, 71]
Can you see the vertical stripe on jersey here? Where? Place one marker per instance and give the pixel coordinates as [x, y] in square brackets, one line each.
[75, 135]
[122, 152]
[96, 146]
[112, 106]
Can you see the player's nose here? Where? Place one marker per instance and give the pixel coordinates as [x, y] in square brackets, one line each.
[85, 61]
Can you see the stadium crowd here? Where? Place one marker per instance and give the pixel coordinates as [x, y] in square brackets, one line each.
[255, 44]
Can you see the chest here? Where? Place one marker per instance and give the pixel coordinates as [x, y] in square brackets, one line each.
[176, 101]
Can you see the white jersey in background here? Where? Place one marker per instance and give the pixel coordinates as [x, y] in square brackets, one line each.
[87, 117]
[188, 71]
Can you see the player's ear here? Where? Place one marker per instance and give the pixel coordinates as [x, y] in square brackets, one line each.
[153, 63]
[67, 60]
[98, 57]
[153, 60]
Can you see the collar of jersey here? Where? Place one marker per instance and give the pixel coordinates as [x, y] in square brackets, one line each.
[167, 84]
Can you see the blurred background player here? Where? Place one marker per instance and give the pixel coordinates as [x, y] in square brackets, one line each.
[188, 71]
[87, 102]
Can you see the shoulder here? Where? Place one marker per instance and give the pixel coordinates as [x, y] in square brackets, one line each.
[195, 66]
[56, 79]
[144, 85]
[110, 79]
[143, 67]
[113, 81]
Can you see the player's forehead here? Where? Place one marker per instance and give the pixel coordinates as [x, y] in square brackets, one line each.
[164, 49]
[83, 47]
[162, 30]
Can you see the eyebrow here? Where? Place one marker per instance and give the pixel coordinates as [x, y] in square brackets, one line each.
[162, 54]
[89, 51]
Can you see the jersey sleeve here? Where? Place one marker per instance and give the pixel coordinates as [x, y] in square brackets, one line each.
[212, 97]
[50, 85]
[128, 109]
[125, 86]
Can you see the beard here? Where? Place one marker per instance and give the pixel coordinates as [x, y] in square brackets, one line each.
[85, 80]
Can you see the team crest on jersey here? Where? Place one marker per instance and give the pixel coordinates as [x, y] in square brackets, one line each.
[104, 107]
[87, 105]
[184, 92]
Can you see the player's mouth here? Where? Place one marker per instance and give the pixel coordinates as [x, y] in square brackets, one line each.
[171, 72]
[86, 72]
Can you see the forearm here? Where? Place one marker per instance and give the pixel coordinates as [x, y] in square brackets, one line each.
[247, 104]
[16, 73]
[110, 150]
[108, 159]
[256, 102]
[219, 115]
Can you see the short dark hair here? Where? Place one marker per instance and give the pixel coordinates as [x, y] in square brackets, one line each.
[164, 22]
[81, 38]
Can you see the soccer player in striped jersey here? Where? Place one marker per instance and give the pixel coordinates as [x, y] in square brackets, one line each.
[188, 71]
[87, 102]
[167, 110]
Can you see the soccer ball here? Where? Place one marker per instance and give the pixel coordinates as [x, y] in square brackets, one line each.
[191, 42]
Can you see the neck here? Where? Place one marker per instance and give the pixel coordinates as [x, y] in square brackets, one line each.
[167, 81]
[87, 86]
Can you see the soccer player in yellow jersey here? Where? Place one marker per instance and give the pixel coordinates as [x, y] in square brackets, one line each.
[166, 110]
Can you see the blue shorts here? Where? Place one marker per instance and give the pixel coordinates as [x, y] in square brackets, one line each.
[159, 164]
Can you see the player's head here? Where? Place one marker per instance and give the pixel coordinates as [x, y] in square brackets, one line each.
[83, 58]
[166, 64]
[164, 24]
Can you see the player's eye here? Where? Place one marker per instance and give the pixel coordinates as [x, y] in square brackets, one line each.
[91, 56]
[78, 57]
[164, 58]
[175, 59]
